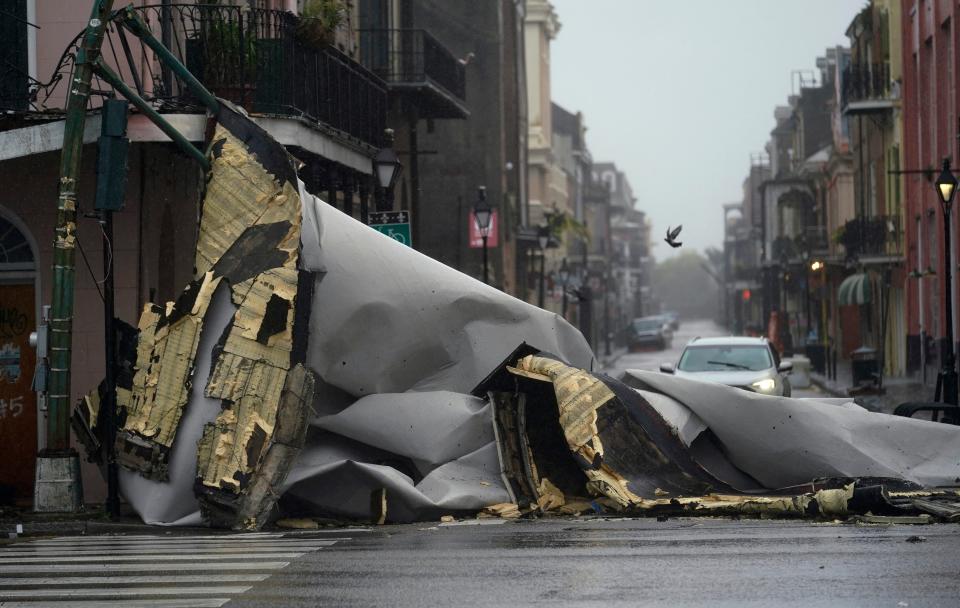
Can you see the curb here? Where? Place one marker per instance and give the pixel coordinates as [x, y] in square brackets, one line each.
[824, 385]
[9, 528]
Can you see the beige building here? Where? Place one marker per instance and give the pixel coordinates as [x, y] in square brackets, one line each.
[547, 182]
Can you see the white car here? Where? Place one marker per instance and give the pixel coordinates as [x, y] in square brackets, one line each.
[747, 363]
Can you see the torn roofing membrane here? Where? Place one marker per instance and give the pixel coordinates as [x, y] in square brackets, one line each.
[317, 367]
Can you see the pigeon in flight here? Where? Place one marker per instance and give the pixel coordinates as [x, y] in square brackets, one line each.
[672, 235]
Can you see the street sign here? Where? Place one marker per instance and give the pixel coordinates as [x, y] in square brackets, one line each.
[394, 224]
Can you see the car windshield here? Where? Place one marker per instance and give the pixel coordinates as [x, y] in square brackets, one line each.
[646, 324]
[725, 358]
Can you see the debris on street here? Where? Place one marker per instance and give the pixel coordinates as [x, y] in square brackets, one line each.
[316, 368]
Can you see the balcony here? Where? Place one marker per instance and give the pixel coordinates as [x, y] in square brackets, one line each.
[872, 239]
[419, 68]
[867, 88]
[251, 57]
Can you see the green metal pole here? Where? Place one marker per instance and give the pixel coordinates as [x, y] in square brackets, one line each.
[64, 254]
[116, 82]
[133, 22]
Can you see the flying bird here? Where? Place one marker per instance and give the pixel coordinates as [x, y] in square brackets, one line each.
[672, 235]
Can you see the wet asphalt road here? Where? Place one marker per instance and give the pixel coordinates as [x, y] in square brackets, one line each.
[680, 562]
[651, 359]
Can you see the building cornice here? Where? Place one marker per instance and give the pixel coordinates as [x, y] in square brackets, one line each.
[542, 11]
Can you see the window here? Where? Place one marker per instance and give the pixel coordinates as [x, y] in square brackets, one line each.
[725, 359]
[14, 248]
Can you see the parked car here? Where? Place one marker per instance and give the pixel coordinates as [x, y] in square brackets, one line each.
[747, 363]
[649, 331]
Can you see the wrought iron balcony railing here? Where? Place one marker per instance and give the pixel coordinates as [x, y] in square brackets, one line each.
[254, 58]
[872, 236]
[413, 60]
[866, 82]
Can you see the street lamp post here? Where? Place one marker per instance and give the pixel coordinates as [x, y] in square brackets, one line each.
[387, 169]
[946, 186]
[482, 213]
[543, 239]
[564, 279]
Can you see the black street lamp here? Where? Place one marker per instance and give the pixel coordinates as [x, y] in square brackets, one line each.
[482, 213]
[543, 239]
[946, 185]
[564, 279]
[387, 169]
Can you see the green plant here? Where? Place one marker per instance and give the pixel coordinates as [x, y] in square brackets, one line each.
[230, 53]
[319, 20]
[560, 223]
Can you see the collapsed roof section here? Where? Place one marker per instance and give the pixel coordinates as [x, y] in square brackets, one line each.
[317, 360]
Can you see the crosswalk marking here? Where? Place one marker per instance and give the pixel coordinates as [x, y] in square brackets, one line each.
[197, 602]
[152, 579]
[155, 557]
[218, 550]
[146, 567]
[158, 571]
[125, 591]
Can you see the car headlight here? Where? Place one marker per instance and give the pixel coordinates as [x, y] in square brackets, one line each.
[764, 386]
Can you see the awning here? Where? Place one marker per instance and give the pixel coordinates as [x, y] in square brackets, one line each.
[855, 289]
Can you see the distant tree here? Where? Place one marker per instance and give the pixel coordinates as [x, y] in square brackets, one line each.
[683, 284]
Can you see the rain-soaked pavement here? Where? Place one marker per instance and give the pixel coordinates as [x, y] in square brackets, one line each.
[679, 562]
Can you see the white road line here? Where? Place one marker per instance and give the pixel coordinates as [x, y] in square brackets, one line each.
[162, 572]
[179, 543]
[199, 602]
[159, 557]
[145, 567]
[123, 592]
[46, 551]
[242, 536]
[152, 579]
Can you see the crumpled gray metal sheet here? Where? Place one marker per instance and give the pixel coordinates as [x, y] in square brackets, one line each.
[784, 442]
[408, 338]
[388, 319]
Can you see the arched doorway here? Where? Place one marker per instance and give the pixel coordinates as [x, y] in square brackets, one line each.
[18, 405]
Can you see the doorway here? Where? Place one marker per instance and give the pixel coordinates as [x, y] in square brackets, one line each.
[18, 404]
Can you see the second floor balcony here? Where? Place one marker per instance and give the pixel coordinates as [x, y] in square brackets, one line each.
[255, 58]
[416, 66]
[872, 238]
[867, 88]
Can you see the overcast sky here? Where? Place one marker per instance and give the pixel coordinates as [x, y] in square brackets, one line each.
[679, 94]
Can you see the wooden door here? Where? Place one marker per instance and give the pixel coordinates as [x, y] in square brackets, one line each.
[18, 406]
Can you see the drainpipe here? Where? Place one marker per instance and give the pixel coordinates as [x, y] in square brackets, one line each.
[923, 331]
[58, 486]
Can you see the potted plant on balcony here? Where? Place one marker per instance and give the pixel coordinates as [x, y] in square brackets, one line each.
[319, 22]
[223, 52]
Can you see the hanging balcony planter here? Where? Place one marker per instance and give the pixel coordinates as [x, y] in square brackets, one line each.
[320, 21]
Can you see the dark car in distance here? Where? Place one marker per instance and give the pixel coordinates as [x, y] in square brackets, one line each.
[648, 332]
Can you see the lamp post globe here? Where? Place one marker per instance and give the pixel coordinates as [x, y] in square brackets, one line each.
[387, 164]
[386, 171]
[946, 186]
[482, 214]
[543, 239]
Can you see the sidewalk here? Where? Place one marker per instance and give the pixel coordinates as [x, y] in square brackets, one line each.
[15, 521]
[607, 361]
[896, 389]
